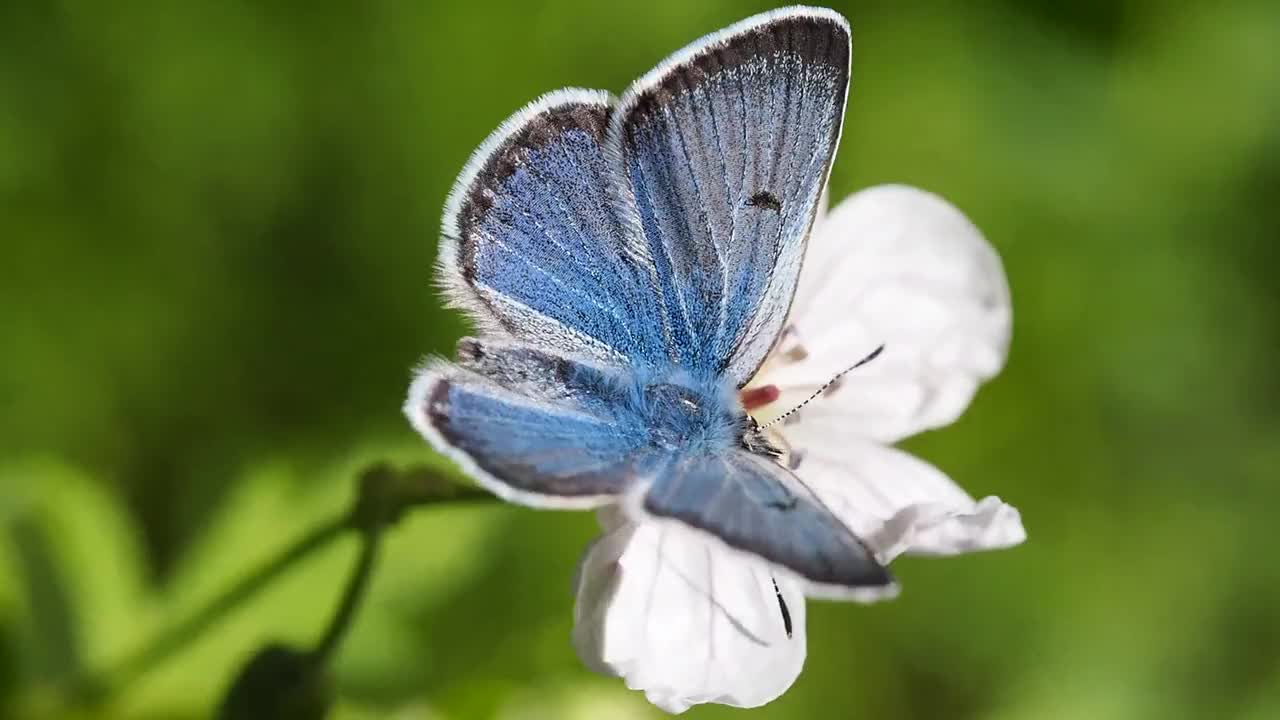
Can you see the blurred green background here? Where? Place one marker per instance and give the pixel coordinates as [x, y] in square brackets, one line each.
[217, 224]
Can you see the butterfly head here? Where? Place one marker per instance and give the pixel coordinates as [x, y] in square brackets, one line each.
[755, 438]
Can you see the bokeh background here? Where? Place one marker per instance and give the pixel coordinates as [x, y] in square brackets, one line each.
[217, 224]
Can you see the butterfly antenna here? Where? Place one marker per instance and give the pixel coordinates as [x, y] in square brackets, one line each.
[871, 356]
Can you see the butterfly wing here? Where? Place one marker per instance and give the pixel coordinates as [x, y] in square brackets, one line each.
[723, 151]
[669, 231]
[754, 504]
[530, 426]
[549, 431]
[533, 245]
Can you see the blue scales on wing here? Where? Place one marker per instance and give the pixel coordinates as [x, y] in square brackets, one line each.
[725, 150]
[629, 266]
[756, 505]
[532, 426]
[533, 245]
[546, 430]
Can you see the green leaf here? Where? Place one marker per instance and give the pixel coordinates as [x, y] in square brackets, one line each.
[76, 593]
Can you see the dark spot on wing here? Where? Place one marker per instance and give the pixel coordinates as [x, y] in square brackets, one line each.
[467, 262]
[470, 349]
[783, 505]
[765, 199]
[782, 605]
[438, 407]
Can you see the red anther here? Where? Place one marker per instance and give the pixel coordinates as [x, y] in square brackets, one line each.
[758, 397]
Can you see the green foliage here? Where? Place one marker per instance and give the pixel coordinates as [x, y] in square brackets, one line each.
[217, 223]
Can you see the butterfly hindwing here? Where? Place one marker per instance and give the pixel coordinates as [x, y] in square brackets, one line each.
[532, 427]
[723, 152]
[754, 504]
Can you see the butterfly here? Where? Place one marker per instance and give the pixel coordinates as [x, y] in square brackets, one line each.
[628, 264]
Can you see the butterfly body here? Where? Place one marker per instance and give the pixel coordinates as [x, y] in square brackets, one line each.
[629, 263]
[684, 413]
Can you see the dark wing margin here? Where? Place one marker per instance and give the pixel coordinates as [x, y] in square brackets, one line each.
[722, 152]
[532, 242]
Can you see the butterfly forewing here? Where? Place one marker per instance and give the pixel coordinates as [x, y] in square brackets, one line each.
[723, 151]
[532, 240]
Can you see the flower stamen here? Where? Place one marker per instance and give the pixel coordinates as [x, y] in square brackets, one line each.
[872, 356]
[757, 397]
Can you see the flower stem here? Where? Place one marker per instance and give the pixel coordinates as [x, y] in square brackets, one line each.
[370, 541]
[175, 638]
[385, 494]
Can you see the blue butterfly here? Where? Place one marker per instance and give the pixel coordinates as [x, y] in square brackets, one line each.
[629, 264]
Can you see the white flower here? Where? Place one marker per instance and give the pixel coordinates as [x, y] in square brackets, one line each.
[689, 621]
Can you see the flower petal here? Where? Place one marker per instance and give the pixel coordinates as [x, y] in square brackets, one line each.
[990, 524]
[684, 620]
[901, 267]
[898, 503]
